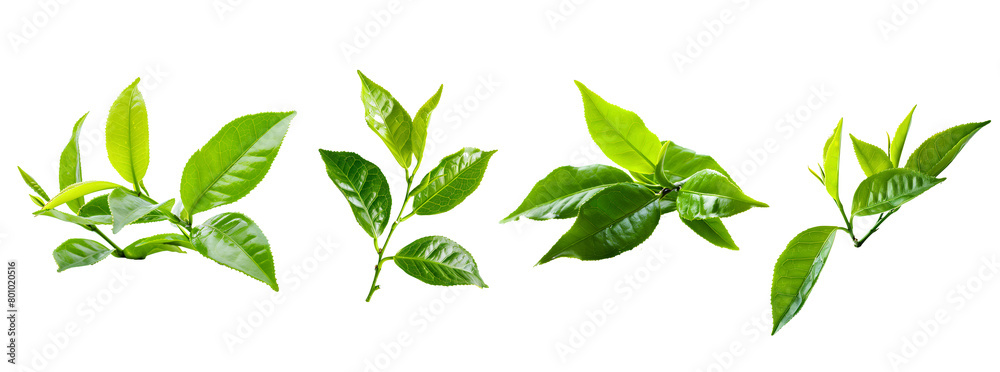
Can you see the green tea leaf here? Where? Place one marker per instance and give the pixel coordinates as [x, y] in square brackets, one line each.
[643, 178]
[712, 230]
[66, 217]
[561, 192]
[896, 144]
[30, 181]
[144, 247]
[235, 241]
[437, 260]
[831, 163]
[127, 208]
[796, 272]
[453, 180]
[620, 133]
[888, 190]
[677, 163]
[38, 201]
[98, 211]
[79, 252]
[611, 222]
[234, 161]
[871, 158]
[387, 118]
[710, 194]
[937, 152]
[70, 170]
[128, 135]
[78, 190]
[418, 135]
[363, 185]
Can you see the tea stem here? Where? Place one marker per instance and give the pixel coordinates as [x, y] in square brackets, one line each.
[399, 219]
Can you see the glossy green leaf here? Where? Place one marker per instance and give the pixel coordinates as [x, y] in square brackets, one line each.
[79, 252]
[831, 163]
[30, 181]
[144, 247]
[66, 217]
[128, 135]
[234, 161]
[643, 178]
[710, 194]
[888, 190]
[78, 190]
[561, 192]
[453, 180]
[677, 163]
[70, 170]
[896, 144]
[363, 185]
[127, 208]
[937, 152]
[712, 230]
[797, 270]
[38, 201]
[871, 158]
[235, 241]
[98, 211]
[387, 118]
[668, 204]
[437, 260]
[620, 133]
[418, 135]
[611, 222]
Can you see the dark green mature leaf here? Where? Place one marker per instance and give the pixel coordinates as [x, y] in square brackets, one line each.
[437, 260]
[937, 152]
[234, 161]
[363, 185]
[79, 252]
[712, 230]
[831, 163]
[98, 211]
[128, 135]
[70, 170]
[449, 183]
[561, 192]
[710, 194]
[144, 247]
[387, 118]
[30, 181]
[796, 272]
[871, 158]
[888, 190]
[668, 204]
[620, 133]
[418, 135]
[78, 190]
[677, 163]
[127, 208]
[611, 222]
[896, 144]
[235, 241]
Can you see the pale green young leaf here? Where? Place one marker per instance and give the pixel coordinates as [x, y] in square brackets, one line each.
[710, 194]
[387, 118]
[235, 241]
[871, 158]
[30, 181]
[890, 189]
[796, 272]
[78, 190]
[70, 169]
[418, 135]
[896, 144]
[453, 180]
[620, 133]
[79, 252]
[831, 163]
[128, 135]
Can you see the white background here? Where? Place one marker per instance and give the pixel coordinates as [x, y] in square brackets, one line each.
[705, 309]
